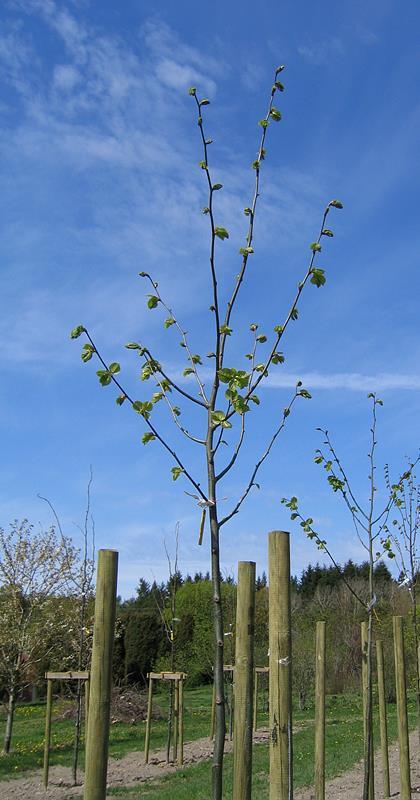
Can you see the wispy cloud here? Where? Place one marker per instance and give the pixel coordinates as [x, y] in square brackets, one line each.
[320, 52]
[353, 381]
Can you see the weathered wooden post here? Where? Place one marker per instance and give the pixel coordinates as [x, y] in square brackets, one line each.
[255, 714]
[148, 720]
[382, 716]
[181, 721]
[176, 720]
[47, 740]
[367, 728]
[280, 667]
[96, 761]
[320, 711]
[401, 691]
[243, 681]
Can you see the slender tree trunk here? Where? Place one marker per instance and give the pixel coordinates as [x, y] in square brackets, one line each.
[219, 737]
[77, 732]
[10, 718]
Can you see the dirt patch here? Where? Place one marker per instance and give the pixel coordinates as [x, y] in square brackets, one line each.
[131, 770]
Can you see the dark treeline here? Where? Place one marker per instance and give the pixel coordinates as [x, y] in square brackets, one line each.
[145, 627]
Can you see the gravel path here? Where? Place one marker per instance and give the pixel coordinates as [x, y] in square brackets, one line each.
[131, 770]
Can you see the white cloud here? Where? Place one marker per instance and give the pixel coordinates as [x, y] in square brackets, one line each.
[66, 77]
[353, 381]
[320, 52]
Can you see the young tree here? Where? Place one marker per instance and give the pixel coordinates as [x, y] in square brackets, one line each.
[80, 585]
[34, 570]
[371, 530]
[404, 533]
[227, 398]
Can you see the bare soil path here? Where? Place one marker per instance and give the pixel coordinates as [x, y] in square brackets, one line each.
[131, 770]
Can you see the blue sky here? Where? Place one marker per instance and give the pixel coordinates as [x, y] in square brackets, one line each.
[100, 180]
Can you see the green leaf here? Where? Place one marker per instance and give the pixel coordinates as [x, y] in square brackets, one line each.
[279, 69]
[225, 329]
[277, 358]
[205, 102]
[192, 91]
[143, 408]
[278, 329]
[87, 352]
[255, 399]
[148, 437]
[157, 396]
[168, 322]
[275, 114]
[294, 314]
[263, 123]
[217, 186]
[246, 251]
[261, 338]
[304, 393]
[279, 86]
[77, 331]
[104, 376]
[256, 164]
[240, 405]
[219, 418]
[202, 164]
[196, 359]
[206, 210]
[318, 459]
[336, 204]
[316, 247]
[176, 410]
[318, 277]
[176, 472]
[221, 233]
[187, 371]
[327, 232]
[152, 301]
[225, 374]
[247, 211]
[120, 399]
[114, 367]
[133, 346]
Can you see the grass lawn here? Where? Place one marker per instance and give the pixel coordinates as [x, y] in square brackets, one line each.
[344, 745]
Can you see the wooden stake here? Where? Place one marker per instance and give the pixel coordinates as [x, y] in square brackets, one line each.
[181, 723]
[47, 732]
[255, 700]
[96, 760]
[280, 666]
[176, 720]
[148, 721]
[382, 716]
[367, 733]
[401, 691]
[320, 711]
[243, 681]
[87, 691]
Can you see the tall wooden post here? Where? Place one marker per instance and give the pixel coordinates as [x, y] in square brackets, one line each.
[255, 715]
[401, 691]
[96, 760]
[280, 667]
[382, 716]
[148, 721]
[87, 690]
[47, 740]
[176, 720]
[181, 722]
[367, 729]
[320, 711]
[244, 679]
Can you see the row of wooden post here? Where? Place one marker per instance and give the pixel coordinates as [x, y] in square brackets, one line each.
[280, 683]
[280, 688]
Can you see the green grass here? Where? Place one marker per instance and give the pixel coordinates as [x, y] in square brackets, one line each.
[344, 745]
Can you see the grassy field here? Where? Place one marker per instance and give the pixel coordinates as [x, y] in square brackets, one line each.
[344, 745]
